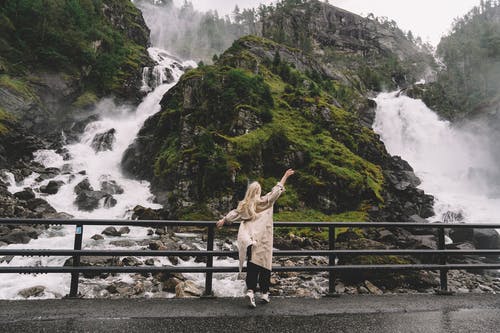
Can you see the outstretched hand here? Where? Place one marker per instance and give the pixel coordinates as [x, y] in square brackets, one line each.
[287, 174]
[219, 223]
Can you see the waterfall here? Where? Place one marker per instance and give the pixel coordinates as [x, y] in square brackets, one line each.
[455, 163]
[99, 166]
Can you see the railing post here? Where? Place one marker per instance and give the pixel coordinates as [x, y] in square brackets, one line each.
[331, 262]
[443, 272]
[73, 292]
[210, 261]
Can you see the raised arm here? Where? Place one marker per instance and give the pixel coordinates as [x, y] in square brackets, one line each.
[269, 199]
[287, 174]
[228, 219]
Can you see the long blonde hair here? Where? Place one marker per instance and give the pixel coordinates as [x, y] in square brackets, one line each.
[247, 206]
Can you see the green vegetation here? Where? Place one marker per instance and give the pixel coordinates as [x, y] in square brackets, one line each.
[235, 125]
[363, 65]
[76, 37]
[471, 53]
[17, 86]
[85, 100]
[4, 117]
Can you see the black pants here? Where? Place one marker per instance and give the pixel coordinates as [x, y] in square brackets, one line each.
[257, 273]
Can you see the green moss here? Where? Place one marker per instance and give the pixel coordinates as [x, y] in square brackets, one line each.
[301, 127]
[310, 215]
[17, 86]
[85, 100]
[53, 35]
[196, 213]
[5, 116]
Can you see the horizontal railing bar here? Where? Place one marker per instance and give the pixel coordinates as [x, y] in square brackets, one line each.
[223, 269]
[160, 253]
[160, 223]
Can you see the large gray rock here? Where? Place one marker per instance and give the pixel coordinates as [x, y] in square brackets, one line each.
[111, 231]
[111, 187]
[104, 141]
[486, 239]
[16, 237]
[32, 291]
[25, 194]
[89, 200]
[52, 187]
[187, 289]
[84, 185]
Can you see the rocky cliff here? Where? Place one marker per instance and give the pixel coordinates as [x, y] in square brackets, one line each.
[57, 59]
[264, 107]
[365, 53]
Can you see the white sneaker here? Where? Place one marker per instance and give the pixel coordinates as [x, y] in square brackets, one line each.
[265, 298]
[251, 299]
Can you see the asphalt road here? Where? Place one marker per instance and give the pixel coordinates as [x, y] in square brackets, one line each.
[394, 313]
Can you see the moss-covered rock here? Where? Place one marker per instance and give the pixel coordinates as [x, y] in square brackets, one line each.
[59, 57]
[262, 108]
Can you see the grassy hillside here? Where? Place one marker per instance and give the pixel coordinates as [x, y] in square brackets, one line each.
[262, 108]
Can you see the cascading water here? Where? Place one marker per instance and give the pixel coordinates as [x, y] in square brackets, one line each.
[455, 164]
[98, 167]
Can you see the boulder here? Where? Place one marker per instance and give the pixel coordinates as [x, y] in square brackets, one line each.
[89, 200]
[97, 237]
[40, 207]
[97, 261]
[486, 239]
[111, 231]
[124, 230]
[372, 288]
[459, 235]
[84, 185]
[188, 289]
[111, 187]
[131, 261]
[32, 292]
[155, 245]
[109, 201]
[143, 213]
[26, 194]
[171, 284]
[16, 237]
[104, 141]
[123, 243]
[52, 187]
[48, 173]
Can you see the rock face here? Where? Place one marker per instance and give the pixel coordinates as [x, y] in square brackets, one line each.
[104, 141]
[345, 41]
[38, 102]
[261, 109]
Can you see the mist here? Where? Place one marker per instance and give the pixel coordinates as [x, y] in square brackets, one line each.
[188, 33]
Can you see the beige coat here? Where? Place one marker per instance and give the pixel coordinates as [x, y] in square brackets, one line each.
[257, 232]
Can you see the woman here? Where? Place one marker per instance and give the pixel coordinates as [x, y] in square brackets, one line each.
[255, 235]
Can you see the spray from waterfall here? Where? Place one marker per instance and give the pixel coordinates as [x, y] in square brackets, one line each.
[456, 164]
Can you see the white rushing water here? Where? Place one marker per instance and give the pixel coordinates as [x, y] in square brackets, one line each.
[455, 164]
[97, 167]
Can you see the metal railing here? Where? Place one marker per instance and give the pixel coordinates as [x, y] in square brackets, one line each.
[209, 269]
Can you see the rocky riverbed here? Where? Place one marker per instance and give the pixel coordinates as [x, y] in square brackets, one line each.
[289, 284]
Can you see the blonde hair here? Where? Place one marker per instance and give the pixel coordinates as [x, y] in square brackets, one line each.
[247, 206]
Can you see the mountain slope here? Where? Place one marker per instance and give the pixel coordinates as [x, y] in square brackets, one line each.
[264, 107]
[57, 58]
